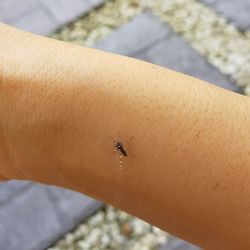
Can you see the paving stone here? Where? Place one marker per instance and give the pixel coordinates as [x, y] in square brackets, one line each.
[42, 16]
[12, 10]
[25, 210]
[39, 21]
[129, 38]
[177, 244]
[39, 215]
[8, 190]
[147, 38]
[65, 10]
[71, 207]
[235, 11]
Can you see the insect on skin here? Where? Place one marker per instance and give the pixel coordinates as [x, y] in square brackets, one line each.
[119, 146]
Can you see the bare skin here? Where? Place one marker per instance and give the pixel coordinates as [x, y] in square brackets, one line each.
[187, 169]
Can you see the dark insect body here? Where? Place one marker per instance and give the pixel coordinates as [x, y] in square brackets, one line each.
[119, 146]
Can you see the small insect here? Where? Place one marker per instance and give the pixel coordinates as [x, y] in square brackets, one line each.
[119, 146]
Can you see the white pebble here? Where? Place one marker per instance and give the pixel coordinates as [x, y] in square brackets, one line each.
[105, 240]
[93, 236]
[83, 244]
[69, 238]
[96, 219]
[140, 227]
[162, 239]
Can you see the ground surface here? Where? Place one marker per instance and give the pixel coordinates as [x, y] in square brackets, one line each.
[207, 39]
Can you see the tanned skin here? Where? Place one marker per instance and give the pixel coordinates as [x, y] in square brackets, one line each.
[187, 168]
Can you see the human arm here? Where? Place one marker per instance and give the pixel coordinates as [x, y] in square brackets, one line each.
[187, 169]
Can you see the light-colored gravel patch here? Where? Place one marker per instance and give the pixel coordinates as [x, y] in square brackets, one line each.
[211, 35]
[99, 23]
[111, 229]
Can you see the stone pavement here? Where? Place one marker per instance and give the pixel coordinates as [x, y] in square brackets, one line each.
[236, 12]
[32, 216]
[177, 244]
[43, 16]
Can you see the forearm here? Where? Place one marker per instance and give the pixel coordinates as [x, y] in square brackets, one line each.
[187, 164]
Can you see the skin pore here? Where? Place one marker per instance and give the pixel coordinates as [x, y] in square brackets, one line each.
[62, 107]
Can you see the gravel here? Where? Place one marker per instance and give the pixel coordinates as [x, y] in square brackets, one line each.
[111, 228]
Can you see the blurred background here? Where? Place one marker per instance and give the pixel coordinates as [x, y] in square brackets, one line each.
[208, 39]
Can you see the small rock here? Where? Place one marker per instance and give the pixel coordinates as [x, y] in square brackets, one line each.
[105, 240]
[83, 244]
[69, 238]
[126, 229]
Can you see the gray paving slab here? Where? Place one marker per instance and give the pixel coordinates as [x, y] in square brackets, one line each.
[138, 35]
[25, 210]
[38, 21]
[64, 11]
[236, 11]
[33, 216]
[10, 189]
[174, 244]
[71, 207]
[43, 16]
[12, 10]
[147, 38]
